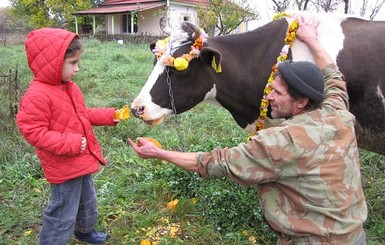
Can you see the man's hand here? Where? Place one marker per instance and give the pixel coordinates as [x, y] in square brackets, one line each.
[307, 29]
[144, 148]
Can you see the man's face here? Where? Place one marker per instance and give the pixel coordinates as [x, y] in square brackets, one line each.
[71, 67]
[282, 104]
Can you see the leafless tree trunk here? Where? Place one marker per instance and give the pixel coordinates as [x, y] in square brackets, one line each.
[346, 7]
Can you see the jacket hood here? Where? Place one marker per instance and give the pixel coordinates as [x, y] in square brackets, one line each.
[45, 49]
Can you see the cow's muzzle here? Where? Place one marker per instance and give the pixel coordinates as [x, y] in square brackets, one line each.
[137, 111]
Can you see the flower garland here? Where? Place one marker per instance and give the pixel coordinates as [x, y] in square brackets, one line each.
[180, 63]
[289, 40]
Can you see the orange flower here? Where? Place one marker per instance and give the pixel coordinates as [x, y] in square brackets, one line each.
[145, 242]
[154, 141]
[122, 114]
[172, 204]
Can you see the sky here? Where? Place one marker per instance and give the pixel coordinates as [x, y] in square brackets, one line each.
[4, 3]
[265, 9]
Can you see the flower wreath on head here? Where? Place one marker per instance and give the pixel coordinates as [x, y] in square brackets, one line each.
[180, 63]
[289, 40]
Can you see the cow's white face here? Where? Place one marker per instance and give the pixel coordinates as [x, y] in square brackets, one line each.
[153, 104]
[143, 106]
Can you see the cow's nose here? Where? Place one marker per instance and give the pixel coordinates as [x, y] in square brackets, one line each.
[137, 111]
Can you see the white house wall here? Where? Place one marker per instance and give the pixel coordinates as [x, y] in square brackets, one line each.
[148, 22]
[177, 13]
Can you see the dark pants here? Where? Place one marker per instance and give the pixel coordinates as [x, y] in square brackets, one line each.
[73, 205]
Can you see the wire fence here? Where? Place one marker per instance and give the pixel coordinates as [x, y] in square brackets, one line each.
[10, 96]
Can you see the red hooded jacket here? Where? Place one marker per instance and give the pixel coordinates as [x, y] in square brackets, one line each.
[53, 117]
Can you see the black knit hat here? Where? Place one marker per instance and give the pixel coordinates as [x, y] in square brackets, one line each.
[304, 77]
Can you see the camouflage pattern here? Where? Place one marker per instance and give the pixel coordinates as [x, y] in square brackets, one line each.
[306, 169]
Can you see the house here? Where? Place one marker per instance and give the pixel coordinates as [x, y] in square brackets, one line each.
[147, 17]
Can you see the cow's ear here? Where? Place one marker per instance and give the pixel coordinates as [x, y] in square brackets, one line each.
[211, 57]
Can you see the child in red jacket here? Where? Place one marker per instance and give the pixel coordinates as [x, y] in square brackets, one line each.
[54, 119]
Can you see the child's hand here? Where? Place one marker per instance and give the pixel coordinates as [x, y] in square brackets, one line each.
[83, 145]
[122, 114]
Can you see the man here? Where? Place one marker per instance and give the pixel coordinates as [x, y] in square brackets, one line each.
[307, 168]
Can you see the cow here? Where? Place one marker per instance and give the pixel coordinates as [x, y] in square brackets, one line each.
[232, 71]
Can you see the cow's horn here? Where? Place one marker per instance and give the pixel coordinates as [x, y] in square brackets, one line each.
[192, 29]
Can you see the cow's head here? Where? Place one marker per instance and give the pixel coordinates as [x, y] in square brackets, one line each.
[182, 77]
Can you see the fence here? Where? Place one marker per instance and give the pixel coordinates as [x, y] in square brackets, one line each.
[9, 99]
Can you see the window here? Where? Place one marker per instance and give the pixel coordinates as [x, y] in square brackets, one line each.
[186, 18]
[126, 23]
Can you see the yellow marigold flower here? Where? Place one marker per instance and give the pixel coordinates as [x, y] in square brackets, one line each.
[267, 90]
[162, 43]
[172, 204]
[122, 114]
[180, 64]
[173, 231]
[194, 200]
[252, 240]
[264, 102]
[164, 220]
[145, 242]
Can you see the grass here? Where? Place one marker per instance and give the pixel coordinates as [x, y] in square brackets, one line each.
[133, 193]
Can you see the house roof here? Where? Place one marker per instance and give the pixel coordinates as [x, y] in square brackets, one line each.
[124, 6]
[120, 8]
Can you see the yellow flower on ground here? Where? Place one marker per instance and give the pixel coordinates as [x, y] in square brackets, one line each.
[172, 204]
[145, 242]
[194, 200]
[252, 240]
[173, 231]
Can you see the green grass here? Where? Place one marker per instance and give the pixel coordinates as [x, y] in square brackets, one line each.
[133, 193]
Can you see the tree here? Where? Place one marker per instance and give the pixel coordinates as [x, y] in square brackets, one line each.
[221, 17]
[49, 13]
[373, 11]
[366, 10]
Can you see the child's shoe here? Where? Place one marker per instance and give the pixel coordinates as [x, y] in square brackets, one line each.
[93, 237]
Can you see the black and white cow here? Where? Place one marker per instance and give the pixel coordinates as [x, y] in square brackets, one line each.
[355, 44]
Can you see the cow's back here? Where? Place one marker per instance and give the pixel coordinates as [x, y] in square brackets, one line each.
[362, 62]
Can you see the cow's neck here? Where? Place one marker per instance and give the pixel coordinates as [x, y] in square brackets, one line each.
[247, 62]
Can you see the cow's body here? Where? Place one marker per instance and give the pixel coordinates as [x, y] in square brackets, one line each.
[355, 44]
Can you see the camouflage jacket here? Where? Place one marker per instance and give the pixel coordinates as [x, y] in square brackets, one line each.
[306, 169]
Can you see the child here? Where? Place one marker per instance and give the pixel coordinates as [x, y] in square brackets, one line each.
[54, 119]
